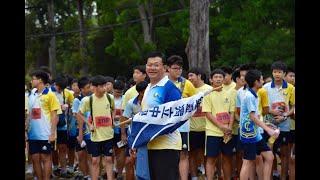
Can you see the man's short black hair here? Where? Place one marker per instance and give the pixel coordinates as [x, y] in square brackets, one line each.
[227, 69]
[279, 65]
[154, 54]
[98, 80]
[289, 69]
[140, 68]
[252, 76]
[217, 71]
[61, 81]
[235, 75]
[83, 81]
[141, 86]
[175, 59]
[198, 71]
[119, 85]
[41, 75]
[74, 81]
[121, 78]
[109, 79]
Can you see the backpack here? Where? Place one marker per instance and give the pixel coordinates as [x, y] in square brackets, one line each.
[110, 104]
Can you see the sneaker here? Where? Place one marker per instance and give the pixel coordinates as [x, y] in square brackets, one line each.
[57, 172]
[29, 169]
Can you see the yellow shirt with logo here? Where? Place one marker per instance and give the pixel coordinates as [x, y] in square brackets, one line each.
[217, 102]
[198, 120]
[68, 98]
[101, 108]
[130, 93]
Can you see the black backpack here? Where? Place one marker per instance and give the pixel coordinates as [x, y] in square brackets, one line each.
[63, 118]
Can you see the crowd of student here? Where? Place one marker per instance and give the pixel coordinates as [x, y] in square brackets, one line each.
[78, 128]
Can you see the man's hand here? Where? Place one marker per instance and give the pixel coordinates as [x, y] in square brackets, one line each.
[275, 133]
[52, 138]
[80, 139]
[226, 130]
[124, 137]
[133, 153]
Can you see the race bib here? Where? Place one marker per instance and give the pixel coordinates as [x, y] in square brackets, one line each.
[118, 113]
[103, 121]
[280, 106]
[36, 113]
[223, 117]
[199, 113]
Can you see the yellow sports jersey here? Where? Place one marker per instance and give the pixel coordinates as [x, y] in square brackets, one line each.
[130, 93]
[40, 107]
[68, 98]
[281, 98]
[188, 89]
[198, 120]
[233, 95]
[219, 104]
[263, 101]
[232, 85]
[102, 121]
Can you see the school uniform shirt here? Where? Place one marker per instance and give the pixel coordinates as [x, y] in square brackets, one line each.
[188, 90]
[162, 92]
[101, 119]
[41, 104]
[129, 94]
[219, 104]
[249, 132]
[68, 100]
[281, 98]
[75, 109]
[198, 120]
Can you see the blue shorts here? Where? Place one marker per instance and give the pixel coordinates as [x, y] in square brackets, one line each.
[72, 142]
[292, 137]
[197, 140]
[185, 141]
[40, 146]
[102, 148]
[62, 137]
[251, 150]
[215, 146]
[88, 146]
[237, 145]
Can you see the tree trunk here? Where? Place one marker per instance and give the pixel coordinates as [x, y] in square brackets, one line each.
[52, 43]
[146, 11]
[197, 48]
[83, 50]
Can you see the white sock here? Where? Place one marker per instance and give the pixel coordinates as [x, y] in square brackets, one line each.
[194, 178]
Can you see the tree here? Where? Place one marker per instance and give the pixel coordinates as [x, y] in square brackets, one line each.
[82, 44]
[52, 46]
[197, 48]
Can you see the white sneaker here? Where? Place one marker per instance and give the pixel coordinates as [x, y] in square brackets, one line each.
[29, 169]
[201, 168]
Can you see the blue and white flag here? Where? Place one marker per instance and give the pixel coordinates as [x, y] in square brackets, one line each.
[163, 119]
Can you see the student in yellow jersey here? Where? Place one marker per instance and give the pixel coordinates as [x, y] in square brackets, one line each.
[197, 124]
[290, 78]
[100, 124]
[281, 104]
[220, 115]
[43, 107]
[174, 67]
